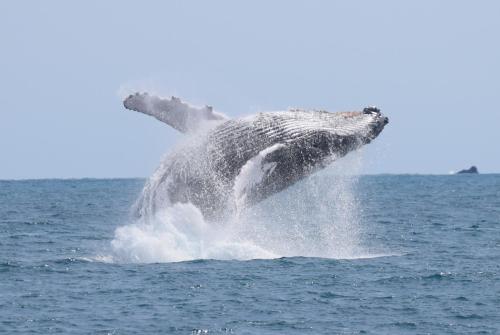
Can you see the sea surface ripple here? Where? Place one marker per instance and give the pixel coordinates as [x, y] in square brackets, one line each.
[432, 267]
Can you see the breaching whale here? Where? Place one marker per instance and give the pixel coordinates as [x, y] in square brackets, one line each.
[227, 164]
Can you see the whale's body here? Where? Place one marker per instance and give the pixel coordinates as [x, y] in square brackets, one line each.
[227, 164]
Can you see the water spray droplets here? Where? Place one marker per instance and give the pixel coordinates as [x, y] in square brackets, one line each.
[318, 217]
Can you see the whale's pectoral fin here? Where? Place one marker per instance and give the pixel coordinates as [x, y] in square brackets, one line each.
[249, 184]
[174, 112]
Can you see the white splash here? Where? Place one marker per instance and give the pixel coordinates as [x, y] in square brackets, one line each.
[179, 233]
[318, 217]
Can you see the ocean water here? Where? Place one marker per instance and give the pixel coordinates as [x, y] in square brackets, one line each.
[386, 254]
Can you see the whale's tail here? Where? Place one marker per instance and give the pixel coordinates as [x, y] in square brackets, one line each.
[179, 115]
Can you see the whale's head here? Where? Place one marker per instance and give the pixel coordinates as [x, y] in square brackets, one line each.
[324, 134]
[365, 125]
[313, 139]
[347, 131]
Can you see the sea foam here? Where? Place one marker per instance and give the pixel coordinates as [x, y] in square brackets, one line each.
[180, 233]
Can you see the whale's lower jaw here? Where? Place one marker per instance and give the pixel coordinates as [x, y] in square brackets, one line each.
[241, 162]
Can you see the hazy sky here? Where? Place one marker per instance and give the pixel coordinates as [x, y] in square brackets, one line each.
[432, 66]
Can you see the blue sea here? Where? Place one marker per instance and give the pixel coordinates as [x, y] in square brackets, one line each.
[382, 254]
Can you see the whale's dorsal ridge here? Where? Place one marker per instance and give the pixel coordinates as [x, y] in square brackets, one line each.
[174, 112]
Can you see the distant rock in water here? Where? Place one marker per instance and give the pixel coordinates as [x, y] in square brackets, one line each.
[472, 169]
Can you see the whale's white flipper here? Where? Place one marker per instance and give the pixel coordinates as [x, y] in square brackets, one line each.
[253, 173]
[174, 112]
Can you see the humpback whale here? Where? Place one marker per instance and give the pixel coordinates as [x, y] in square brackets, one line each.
[228, 164]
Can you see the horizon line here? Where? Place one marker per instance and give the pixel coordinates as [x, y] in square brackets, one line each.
[131, 178]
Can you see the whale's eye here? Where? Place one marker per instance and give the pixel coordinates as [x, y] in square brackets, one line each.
[370, 110]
